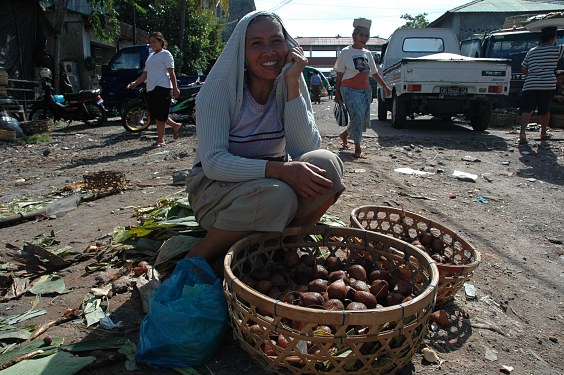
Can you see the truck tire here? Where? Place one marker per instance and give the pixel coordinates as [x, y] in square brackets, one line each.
[382, 110]
[480, 115]
[399, 112]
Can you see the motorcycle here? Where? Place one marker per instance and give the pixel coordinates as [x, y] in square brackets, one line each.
[86, 106]
[136, 117]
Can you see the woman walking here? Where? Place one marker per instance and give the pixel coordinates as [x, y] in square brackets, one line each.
[354, 64]
[160, 77]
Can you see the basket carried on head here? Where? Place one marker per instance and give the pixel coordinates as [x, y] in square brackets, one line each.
[458, 257]
[286, 337]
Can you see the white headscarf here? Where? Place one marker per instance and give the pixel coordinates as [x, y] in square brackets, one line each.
[228, 73]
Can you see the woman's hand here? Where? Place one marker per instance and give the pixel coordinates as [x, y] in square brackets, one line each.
[132, 85]
[305, 178]
[175, 92]
[296, 55]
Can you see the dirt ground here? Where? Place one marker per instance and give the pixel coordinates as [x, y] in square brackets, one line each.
[512, 214]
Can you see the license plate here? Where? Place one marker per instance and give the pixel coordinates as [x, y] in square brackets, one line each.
[452, 91]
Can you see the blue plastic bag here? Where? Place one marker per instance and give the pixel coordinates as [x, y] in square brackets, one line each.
[187, 318]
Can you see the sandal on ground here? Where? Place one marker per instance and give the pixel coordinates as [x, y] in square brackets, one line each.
[359, 155]
[157, 144]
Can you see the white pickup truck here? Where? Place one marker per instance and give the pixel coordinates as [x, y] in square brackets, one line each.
[428, 75]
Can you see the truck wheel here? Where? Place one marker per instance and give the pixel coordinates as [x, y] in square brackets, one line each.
[480, 116]
[382, 111]
[399, 112]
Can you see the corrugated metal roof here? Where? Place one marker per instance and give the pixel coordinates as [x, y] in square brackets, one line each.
[480, 6]
[343, 41]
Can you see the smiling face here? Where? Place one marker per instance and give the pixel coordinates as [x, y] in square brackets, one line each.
[266, 50]
[155, 44]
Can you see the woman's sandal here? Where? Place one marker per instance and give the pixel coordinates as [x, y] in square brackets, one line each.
[522, 142]
[157, 144]
[359, 155]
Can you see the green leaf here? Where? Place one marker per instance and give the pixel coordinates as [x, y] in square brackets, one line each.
[186, 371]
[101, 344]
[14, 334]
[28, 348]
[61, 363]
[92, 308]
[175, 246]
[15, 319]
[49, 284]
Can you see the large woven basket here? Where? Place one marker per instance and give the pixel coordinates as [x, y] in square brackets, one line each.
[462, 257]
[373, 341]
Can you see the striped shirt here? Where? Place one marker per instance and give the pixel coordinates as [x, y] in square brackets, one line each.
[258, 132]
[541, 63]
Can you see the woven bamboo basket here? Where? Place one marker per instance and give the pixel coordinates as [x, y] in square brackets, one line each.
[105, 181]
[36, 126]
[462, 257]
[373, 341]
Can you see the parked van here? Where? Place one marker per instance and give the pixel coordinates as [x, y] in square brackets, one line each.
[512, 44]
[126, 66]
[308, 72]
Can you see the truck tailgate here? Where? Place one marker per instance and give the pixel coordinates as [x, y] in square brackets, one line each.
[456, 72]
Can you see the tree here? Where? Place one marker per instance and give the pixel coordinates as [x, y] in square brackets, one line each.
[60, 13]
[419, 21]
[194, 46]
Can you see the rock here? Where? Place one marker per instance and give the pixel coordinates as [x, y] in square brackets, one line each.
[491, 355]
[121, 285]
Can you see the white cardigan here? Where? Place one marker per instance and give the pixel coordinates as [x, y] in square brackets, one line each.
[218, 105]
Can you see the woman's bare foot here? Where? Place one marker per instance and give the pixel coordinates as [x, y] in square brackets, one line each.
[344, 140]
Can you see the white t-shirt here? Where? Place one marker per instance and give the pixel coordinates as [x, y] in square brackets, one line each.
[351, 61]
[156, 67]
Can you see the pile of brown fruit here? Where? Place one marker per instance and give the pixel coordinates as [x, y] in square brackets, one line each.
[333, 284]
[434, 246]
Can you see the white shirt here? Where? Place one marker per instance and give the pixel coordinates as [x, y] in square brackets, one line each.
[156, 67]
[351, 61]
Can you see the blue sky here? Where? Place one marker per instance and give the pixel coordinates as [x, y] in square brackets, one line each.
[308, 18]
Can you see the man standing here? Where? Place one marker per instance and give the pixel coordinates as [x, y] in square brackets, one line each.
[540, 81]
[315, 83]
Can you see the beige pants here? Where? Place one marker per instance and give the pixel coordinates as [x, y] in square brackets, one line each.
[261, 205]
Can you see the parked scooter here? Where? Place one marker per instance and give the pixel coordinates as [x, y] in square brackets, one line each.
[136, 117]
[86, 106]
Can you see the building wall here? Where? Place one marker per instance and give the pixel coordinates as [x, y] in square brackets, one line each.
[468, 24]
